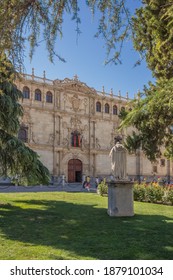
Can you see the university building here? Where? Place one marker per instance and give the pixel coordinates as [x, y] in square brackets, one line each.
[72, 127]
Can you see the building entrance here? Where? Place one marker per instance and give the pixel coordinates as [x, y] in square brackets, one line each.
[74, 171]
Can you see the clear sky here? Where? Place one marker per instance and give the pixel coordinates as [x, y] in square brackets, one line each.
[85, 57]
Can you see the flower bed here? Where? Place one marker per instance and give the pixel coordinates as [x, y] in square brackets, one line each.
[154, 193]
[151, 192]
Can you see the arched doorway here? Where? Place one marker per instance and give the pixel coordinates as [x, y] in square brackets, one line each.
[74, 171]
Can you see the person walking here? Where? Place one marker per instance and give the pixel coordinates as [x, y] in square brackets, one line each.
[88, 183]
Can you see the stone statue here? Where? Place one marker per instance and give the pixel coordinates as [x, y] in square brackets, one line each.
[118, 160]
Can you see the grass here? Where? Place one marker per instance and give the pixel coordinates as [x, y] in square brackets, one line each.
[58, 226]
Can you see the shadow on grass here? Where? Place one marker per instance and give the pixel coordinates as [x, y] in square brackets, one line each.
[87, 231]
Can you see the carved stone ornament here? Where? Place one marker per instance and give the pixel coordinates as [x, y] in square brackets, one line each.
[75, 101]
[97, 144]
[64, 125]
[75, 155]
[65, 142]
[51, 139]
[75, 123]
[85, 101]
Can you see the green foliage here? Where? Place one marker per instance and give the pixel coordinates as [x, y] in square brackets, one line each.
[170, 196]
[152, 117]
[16, 160]
[153, 193]
[153, 36]
[38, 21]
[42, 21]
[133, 142]
[103, 188]
[139, 192]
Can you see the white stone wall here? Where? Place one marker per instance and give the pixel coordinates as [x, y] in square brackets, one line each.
[103, 165]
[46, 158]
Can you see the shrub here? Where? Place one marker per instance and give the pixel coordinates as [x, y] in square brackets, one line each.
[170, 196]
[103, 188]
[154, 193]
[139, 192]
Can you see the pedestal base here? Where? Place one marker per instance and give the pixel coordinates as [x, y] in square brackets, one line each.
[120, 199]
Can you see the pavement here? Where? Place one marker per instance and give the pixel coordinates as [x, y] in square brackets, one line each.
[68, 187]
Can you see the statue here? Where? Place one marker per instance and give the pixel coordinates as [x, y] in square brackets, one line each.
[118, 160]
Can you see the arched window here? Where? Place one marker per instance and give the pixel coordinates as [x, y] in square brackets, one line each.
[122, 108]
[115, 110]
[49, 97]
[98, 106]
[38, 94]
[26, 92]
[107, 108]
[76, 139]
[23, 134]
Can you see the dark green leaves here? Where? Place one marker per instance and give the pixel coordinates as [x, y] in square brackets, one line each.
[16, 160]
[152, 116]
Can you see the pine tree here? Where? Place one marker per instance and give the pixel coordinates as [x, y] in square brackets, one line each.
[16, 160]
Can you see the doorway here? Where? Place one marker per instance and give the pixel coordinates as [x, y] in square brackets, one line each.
[74, 171]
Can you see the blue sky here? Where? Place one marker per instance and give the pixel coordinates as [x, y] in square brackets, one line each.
[85, 57]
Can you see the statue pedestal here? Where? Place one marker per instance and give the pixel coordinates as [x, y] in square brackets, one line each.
[120, 199]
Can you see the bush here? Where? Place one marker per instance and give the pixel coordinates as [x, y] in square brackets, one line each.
[103, 188]
[139, 192]
[154, 193]
[170, 196]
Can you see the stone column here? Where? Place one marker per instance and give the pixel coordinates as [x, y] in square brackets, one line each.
[54, 145]
[94, 134]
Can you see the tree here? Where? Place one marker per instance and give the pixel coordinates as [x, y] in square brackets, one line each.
[16, 160]
[37, 21]
[153, 114]
[153, 36]
[133, 145]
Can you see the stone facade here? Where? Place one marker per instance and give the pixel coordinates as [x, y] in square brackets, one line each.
[72, 127]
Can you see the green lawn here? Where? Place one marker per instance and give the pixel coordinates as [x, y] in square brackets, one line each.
[59, 225]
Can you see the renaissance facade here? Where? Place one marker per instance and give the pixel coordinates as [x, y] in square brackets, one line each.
[72, 127]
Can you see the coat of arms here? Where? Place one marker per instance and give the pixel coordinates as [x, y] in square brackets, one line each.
[76, 102]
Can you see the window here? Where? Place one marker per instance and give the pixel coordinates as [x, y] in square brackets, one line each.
[26, 93]
[162, 162]
[115, 110]
[38, 95]
[76, 139]
[107, 108]
[23, 134]
[154, 169]
[49, 97]
[98, 107]
[122, 109]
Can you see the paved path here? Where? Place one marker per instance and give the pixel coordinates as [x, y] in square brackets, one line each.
[74, 187]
